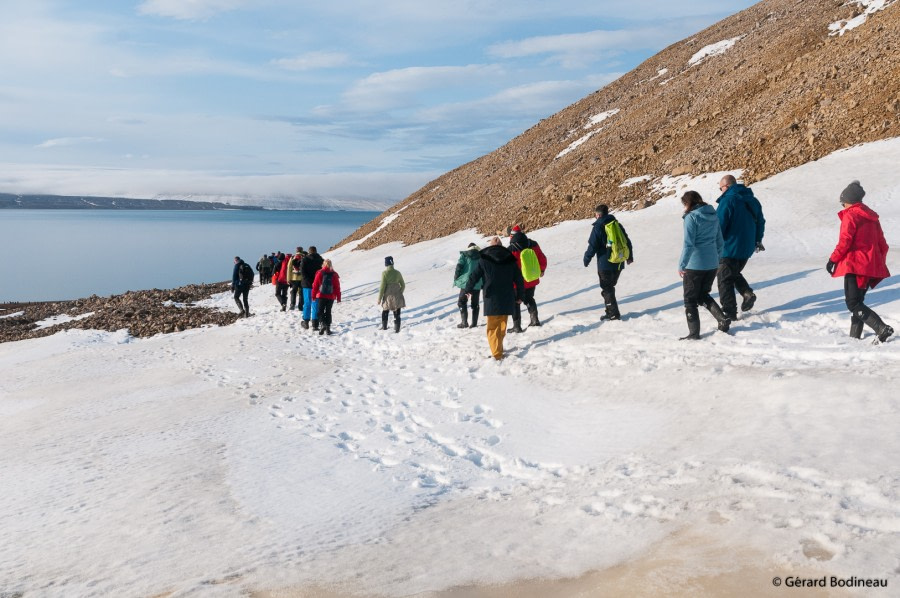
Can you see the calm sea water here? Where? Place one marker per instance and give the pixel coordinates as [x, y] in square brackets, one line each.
[67, 254]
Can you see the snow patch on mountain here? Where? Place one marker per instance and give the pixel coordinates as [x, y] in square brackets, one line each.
[715, 49]
[870, 7]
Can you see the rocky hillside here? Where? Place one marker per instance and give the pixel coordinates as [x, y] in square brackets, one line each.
[144, 313]
[775, 86]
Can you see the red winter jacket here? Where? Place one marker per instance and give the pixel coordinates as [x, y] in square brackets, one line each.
[861, 248]
[516, 247]
[335, 286]
[282, 271]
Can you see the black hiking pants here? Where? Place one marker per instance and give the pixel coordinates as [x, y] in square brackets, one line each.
[325, 306]
[530, 303]
[295, 292]
[265, 276]
[731, 280]
[281, 293]
[241, 293]
[463, 301]
[608, 281]
[697, 285]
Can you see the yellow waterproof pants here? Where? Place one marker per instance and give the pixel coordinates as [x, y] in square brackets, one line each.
[496, 330]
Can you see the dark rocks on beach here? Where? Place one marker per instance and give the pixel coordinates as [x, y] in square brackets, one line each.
[143, 313]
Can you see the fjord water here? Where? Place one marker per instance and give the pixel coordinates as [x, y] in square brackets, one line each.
[67, 254]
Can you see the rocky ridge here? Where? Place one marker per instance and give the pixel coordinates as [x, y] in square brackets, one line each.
[143, 313]
[775, 86]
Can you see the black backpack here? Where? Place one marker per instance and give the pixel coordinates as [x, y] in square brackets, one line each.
[245, 275]
[327, 288]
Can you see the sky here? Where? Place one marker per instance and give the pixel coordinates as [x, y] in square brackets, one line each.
[296, 100]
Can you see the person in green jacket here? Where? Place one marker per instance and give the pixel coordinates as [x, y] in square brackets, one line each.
[468, 261]
[390, 294]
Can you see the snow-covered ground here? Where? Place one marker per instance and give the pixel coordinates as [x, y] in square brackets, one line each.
[260, 455]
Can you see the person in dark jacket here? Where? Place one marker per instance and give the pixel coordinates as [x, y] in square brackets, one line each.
[326, 289]
[264, 267]
[607, 271]
[503, 290]
[699, 260]
[743, 226]
[861, 258]
[309, 266]
[240, 285]
[468, 261]
[519, 242]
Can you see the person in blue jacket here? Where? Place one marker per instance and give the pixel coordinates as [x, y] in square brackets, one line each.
[699, 262]
[743, 225]
[607, 271]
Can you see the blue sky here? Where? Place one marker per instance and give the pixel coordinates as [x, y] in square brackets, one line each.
[296, 99]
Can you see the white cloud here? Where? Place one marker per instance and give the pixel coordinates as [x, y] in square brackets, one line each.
[374, 190]
[579, 43]
[313, 60]
[534, 100]
[69, 141]
[189, 9]
[399, 87]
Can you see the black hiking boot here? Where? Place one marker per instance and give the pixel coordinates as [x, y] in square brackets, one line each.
[327, 329]
[474, 323]
[463, 318]
[748, 302]
[321, 330]
[315, 324]
[534, 319]
[856, 327]
[384, 319]
[871, 319]
[396, 324]
[693, 322]
[723, 320]
[517, 328]
[304, 324]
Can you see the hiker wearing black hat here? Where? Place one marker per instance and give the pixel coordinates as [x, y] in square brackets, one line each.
[390, 294]
[608, 237]
[861, 258]
[532, 264]
[468, 261]
[241, 282]
[503, 290]
[743, 225]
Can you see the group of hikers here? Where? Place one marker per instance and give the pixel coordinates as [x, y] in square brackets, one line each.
[718, 243]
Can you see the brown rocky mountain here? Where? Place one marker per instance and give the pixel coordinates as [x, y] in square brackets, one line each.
[784, 90]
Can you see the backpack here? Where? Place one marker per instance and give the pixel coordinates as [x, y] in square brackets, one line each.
[616, 243]
[245, 275]
[531, 267]
[326, 288]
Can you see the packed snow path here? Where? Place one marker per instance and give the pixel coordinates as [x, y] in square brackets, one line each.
[263, 456]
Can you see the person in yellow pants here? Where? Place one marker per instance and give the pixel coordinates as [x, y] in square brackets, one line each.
[503, 287]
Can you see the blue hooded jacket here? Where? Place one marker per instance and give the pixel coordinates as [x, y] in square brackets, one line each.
[702, 240]
[741, 218]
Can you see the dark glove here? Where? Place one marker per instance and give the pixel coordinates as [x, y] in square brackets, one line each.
[629, 261]
[759, 247]
[830, 266]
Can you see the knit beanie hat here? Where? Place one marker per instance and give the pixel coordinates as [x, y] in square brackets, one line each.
[388, 261]
[472, 246]
[854, 193]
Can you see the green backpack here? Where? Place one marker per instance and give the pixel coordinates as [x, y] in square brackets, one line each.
[616, 243]
[531, 267]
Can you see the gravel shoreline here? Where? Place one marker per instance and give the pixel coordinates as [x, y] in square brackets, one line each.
[143, 313]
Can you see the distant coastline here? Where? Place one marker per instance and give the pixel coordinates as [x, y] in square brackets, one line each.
[81, 202]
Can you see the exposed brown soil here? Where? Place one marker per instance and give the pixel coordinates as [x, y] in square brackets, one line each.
[144, 313]
[785, 94]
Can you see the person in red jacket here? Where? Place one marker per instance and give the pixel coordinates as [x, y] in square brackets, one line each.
[860, 257]
[518, 242]
[326, 289]
[281, 282]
